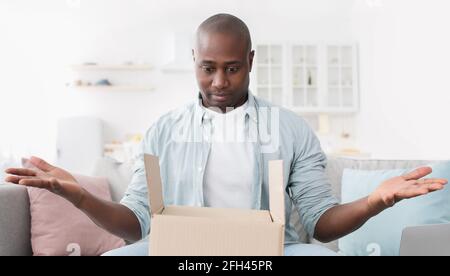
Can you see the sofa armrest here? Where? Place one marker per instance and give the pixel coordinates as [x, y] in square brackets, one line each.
[15, 236]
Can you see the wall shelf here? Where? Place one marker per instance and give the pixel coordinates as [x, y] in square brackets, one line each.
[114, 88]
[94, 73]
[111, 67]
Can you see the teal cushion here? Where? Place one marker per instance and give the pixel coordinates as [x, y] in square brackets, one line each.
[381, 235]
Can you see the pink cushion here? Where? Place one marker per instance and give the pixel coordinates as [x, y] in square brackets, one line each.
[60, 229]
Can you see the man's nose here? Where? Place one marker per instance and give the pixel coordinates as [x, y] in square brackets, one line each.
[220, 80]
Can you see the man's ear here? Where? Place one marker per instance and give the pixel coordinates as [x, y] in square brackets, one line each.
[250, 59]
[193, 55]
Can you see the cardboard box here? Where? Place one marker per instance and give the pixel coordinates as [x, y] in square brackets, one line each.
[197, 231]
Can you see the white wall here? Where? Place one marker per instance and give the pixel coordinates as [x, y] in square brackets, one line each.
[40, 38]
[404, 57]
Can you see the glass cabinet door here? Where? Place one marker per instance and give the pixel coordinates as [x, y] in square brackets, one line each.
[269, 72]
[304, 78]
[307, 77]
[341, 83]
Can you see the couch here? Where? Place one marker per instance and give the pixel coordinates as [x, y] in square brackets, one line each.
[14, 202]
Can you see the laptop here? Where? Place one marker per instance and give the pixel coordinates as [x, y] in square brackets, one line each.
[427, 240]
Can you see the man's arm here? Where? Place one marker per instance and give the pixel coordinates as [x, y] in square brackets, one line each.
[344, 219]
[113, 217]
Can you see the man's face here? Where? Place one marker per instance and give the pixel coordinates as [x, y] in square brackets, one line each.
[223, 65]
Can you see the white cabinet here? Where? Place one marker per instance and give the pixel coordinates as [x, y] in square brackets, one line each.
[341, 75]
[304, 81]
[270, 70]
[308, 77]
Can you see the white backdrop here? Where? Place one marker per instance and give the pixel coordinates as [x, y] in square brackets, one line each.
[403, 60]
[404, 56]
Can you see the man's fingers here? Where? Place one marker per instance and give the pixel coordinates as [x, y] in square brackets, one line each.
[432, 180]
[427, 188]
[41, 164]
[418, 173]
[412, 192]
[430, 185]
[15, 179]
[36, 183]
[20, 172]
[435, 187]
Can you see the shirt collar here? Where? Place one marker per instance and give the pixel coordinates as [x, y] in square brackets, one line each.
[202, 115]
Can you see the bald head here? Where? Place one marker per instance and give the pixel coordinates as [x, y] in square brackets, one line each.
[224, 24]
[223, 61]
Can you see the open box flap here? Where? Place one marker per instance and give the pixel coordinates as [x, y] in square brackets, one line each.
[276, 193]
[154, 184]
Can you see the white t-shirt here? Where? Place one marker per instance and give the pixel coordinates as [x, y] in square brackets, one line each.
[228, 179]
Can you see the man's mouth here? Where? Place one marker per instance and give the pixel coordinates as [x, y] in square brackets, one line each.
[220, 97]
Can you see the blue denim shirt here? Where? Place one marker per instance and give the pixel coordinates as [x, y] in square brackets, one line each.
[181, 141]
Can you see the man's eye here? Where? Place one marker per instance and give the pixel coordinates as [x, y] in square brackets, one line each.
[233, 69]
[207, 69]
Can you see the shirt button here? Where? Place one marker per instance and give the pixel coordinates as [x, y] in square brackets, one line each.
[200, 169]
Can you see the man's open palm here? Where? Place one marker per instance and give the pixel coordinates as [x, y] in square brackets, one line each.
[40, 174]
[404, 187]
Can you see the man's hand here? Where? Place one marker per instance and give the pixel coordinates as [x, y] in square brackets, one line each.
[343, 219]
[111, 216]
[403, 187]
[40, 174]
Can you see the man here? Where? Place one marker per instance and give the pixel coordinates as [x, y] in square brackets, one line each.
[201, 168]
